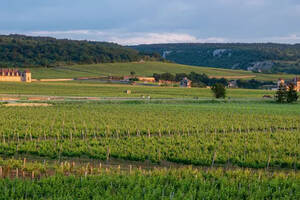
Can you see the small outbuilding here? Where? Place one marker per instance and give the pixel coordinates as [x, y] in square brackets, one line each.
[185, 82]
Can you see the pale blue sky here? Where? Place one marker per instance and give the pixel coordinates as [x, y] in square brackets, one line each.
[155, 21]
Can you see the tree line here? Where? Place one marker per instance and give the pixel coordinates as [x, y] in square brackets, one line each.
[198, 80]
[26, 51]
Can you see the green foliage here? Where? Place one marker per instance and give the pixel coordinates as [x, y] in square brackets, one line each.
[199, 80]
[188, 133]
[280, 96]
[219, 90]
[132, 73]
[24, 51]
[164, 76]
[286, 94]
[292, 94]
[252, 84]
[133, 79]
[251, 149]
[174, 184]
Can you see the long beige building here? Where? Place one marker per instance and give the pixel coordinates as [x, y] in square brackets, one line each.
[14, 75]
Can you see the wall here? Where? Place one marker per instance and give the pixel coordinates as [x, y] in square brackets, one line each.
[11, 78]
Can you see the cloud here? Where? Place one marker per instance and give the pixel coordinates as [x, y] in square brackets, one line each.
[127, 38]
[133, 38]
[292, 38]
[156, 38]
[155, 20]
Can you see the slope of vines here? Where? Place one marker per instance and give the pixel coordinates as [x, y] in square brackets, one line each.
[242, 134]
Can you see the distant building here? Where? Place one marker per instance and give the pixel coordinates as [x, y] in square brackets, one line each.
[232, 84]
[297, 84]
[14, 75]
[280, 82]
[185, 82]
[295, 81]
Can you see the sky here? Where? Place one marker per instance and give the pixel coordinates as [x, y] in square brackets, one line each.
[130, 22]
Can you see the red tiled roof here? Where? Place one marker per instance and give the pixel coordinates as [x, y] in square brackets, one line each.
[9, 72]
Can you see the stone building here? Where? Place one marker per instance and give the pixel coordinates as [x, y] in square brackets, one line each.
[297, 84]
[14, 75]
[185, 82]
[280, 82]
[232, 84]
[295, 81]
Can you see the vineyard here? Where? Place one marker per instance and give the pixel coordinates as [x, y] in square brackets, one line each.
[184, 183]
[144, 150]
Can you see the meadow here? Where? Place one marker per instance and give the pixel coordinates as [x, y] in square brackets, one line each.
[96, 89]
[145, 69]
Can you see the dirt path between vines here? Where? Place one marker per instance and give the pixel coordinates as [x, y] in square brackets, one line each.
[126, 165]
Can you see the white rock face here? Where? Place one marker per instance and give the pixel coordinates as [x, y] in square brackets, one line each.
[221, 52]
[165, 53]
[260, 66]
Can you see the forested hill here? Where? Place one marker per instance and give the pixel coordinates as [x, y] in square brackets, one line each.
[266, 57]
[24, 51]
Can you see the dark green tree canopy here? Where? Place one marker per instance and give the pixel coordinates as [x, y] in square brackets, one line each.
[219, 90]
[19, 51]
[281, 94]
[198, 80]
[292, 94]
[286, 94]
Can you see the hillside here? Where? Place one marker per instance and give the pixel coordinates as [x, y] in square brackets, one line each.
[144, 69]
[270, 58]
[24, 51]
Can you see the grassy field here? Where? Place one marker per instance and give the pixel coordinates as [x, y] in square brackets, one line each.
[144, 69]
[96, 89]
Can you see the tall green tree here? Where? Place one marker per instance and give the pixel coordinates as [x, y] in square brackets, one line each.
[281, 94]
[292, 95]
[219, 90]
[132, 73]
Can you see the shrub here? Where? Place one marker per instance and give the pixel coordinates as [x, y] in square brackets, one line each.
[219, 90]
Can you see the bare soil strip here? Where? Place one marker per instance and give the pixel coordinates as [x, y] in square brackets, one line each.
[233, 77]
[27, 105]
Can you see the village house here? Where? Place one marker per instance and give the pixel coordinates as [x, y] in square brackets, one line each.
[185, 82]
[14, 75]
[232, 84]
[295, 81]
